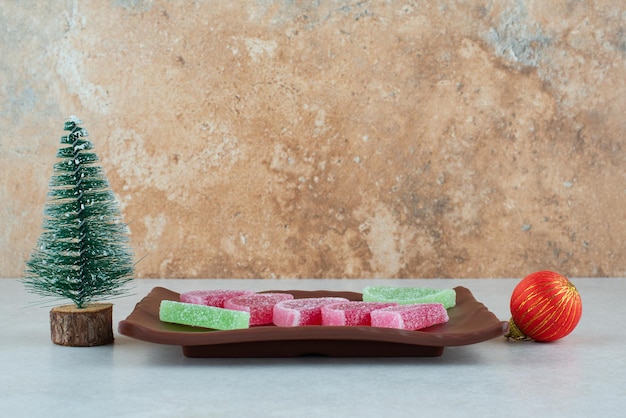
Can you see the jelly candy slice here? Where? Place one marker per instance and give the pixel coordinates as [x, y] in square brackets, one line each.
[260, 305]
[410, 317]
[213, 297]
[297, 312]
[202, 316]
[410, 295]
[350, 313]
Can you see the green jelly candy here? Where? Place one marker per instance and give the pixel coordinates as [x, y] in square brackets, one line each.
[202, 316]
[408, 295]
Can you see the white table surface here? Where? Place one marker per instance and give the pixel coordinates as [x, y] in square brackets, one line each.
[582, 375]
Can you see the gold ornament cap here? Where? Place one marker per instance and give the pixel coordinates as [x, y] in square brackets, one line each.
[515, 333]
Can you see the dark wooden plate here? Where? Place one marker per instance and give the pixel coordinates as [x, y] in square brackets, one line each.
[470, 322]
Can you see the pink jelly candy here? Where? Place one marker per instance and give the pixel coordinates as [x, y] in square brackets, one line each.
[260, 305]
[307, 311]
[213, 297]
[351, 313]
[410, 317]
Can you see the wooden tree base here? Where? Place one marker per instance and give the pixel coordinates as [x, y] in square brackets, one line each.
[86, 327]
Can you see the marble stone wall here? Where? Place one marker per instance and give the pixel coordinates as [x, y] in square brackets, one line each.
[328, 138]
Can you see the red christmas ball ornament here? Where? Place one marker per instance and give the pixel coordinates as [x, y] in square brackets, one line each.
[545, 306]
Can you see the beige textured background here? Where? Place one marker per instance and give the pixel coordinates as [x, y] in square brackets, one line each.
[328, 139]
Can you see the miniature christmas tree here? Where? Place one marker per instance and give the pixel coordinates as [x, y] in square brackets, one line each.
[83, 253]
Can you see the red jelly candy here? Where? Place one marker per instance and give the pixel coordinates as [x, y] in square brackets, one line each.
[351, 313]
[213, 297]
[297, 312]
[260, 305]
